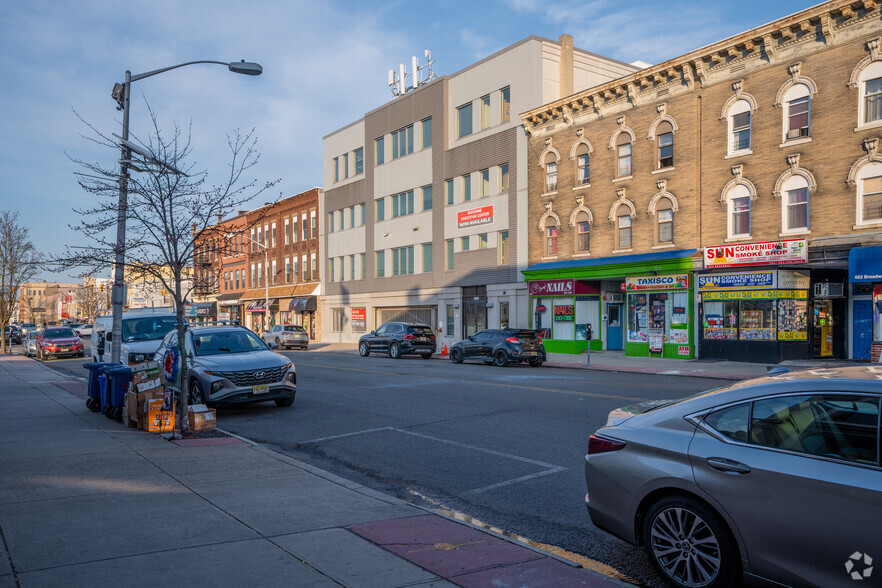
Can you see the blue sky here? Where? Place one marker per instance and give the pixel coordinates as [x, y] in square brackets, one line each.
[324, 66]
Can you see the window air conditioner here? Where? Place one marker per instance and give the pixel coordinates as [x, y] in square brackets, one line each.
[617, 297]
[829, 290]
[797, 133]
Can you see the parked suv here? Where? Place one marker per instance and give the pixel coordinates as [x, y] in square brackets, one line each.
[501, 346]
[399, 339]
[142, 330]
[59, 342]
[228, 365]
[12, 334]
[287, 336]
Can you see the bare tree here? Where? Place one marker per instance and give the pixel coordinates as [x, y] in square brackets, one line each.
[18, 264]
[170, 208]
[91, 298]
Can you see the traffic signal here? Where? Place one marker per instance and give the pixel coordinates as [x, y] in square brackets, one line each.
[101, 287]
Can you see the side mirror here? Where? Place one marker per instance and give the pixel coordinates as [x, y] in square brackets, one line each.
[273, 345]
[471, 338]
[108, 336]
[373, 332]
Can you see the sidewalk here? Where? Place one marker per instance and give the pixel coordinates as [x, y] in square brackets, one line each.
[86, 501]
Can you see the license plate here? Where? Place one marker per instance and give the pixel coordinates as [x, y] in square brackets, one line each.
[62, 349]
[424, 338]
[260, 389]
[529, 354]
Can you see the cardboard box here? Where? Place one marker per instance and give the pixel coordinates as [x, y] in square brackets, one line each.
[201, 418]
[157, 420]
[134, 409]
[144, 372]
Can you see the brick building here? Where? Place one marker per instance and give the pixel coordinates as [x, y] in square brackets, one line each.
[220, 264]
[712, 204]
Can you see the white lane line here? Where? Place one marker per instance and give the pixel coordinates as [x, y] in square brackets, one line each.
[549, 468]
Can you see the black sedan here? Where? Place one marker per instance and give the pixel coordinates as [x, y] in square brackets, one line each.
[399, 339]
[501, 346]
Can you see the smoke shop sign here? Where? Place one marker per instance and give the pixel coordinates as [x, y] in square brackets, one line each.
[767, 252]
[552, 287]
[670, 282]
[474, 216]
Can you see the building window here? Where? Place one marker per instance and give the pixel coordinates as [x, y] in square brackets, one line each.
[336, 169]
[380, 150]
[464, 120]
[402, 261]
[427, 258]
[482, 241]
[259, 275]
[312, 267]
[381, 264]
[583, 161]
[448, 188]
[485, 183]
[665, 215]
[485, 112]
[287, 231]
[287, 270]
[402, 204]
[345, 165]
[797, 213]
[502, 246]
[381, 209]
[503, 178]
[305, 269]
[623, 155]
[427, 197]
[351, 267]
[739, 127]
[448, 254]
[359, 161]
[739, 212]
[451, 320]
[402, 142]
[464, 244]
[467, 187]
[872, 100]
[331, 269]
[505, 102]
[798, 113]
[305, 227]
[312, 224]
[550, 173]
[362, 260]
[362, 207]
[427, 132]
[550, 238]
[665, 134]
[583, 230]
[331, 216]
[623, 225]
[294, 229]
[870, 197]
[338, 319]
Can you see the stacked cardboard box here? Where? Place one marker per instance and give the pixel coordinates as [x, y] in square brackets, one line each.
[201, 418]
[146, 386]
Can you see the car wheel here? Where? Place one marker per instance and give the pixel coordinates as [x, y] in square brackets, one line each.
[689, 544]
[395, 351]
[284, 401]
[500, 359]
[456, 355]
[535, 362]
[364, 349]
[40, 353]
[196, 395]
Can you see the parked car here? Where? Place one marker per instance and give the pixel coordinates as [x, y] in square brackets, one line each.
[30, 343]
[25, 327]
[142, 331]
[12, 334]
[399, 339]
[287, 336]
[229, 365]
[84, 330]
[775, 479]
[500, 346]
[59, 342]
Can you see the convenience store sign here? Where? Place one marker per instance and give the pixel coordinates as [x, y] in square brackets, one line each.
[670, 282]
[736, 281]
[755, 295]
[764, 253]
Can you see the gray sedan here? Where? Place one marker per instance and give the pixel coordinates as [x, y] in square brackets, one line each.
[774, 479]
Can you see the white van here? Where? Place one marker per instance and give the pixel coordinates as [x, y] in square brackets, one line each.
[142, 332]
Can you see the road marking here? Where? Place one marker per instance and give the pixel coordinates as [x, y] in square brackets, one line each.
[549, 468]
[499, 384]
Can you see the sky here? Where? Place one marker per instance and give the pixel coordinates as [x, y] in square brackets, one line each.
[324, 66]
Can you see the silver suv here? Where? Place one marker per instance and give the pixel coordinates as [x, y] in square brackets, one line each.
[229, 365]
[287, 336]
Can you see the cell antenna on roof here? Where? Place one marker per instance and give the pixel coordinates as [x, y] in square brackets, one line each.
[419, 75]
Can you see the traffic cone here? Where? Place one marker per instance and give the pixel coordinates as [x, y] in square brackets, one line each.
[443, 349]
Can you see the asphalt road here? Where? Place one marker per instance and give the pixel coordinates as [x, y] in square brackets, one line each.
[504, 446]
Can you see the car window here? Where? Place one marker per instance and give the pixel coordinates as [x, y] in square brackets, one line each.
[731, 422]
[482, 336]
[147, 328]
[419, 330]
[33, 334]
[59, 333]
[295, 329]
[222, 342]
[843, 427]
[382, 330]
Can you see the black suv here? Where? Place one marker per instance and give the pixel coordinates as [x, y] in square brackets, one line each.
[399, 339]
[501, 346]
[13, 334]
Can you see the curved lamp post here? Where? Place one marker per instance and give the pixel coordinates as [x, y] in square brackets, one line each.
[121, 95]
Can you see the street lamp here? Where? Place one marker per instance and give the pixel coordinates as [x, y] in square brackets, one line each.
[121, 95]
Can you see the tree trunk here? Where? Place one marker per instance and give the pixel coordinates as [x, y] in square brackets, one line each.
[184, 399]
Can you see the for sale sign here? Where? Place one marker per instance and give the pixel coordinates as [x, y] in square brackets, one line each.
[764, 253]
[358, 317]
[474, 216]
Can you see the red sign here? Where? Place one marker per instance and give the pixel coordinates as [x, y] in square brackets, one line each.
[565, 312]
[474, 216]
[359, 314]
[682, 350]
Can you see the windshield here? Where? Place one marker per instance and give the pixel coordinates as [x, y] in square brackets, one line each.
[59, 333]
[232, 341]
[419, 330]
[33, 334]
[295, 328]
[28, 326]
[147, 328]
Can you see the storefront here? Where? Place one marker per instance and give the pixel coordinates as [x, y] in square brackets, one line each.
[301, 311]
[865, 275]
[636, 303]
[229, 308]
[258, 319]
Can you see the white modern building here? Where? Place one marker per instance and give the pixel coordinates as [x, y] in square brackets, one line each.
[424, 207]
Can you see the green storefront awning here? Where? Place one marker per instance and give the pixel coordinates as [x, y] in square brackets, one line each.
[613, 267]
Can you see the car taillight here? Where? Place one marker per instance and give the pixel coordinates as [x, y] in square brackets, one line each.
[513, 340]
[408, 337]
[602, 445]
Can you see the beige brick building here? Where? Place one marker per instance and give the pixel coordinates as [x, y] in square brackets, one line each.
[710, 205]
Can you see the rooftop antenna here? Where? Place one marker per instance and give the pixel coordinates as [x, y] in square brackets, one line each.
[419, 75]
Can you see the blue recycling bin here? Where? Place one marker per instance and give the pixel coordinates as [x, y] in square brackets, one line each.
[93, 402]
[118, 379]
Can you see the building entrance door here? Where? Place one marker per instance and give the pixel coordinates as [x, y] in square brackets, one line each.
[863, 329]
[474, 316]
[614, 326]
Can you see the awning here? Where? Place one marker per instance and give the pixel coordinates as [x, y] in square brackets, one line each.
[865, 264]
[302, 304]
[259, 305]
[228, 302]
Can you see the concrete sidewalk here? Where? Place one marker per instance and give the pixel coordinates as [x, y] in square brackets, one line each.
[86, 501]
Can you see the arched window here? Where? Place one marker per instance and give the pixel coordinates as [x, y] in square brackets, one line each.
[550, 173]
[795, 205]
[739, 117]
[550, 237]
[869, 194]
[665, 133]
[870, 107]
[583, 230]
[623, 155]
[583, 161]
[738, 201]
[665, 221]
[797, 112]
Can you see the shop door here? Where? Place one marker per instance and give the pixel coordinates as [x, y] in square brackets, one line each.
[822, 328]
[474, 318]
[863, 329]
[614, 326]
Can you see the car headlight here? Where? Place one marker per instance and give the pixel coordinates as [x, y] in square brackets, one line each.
[216, 386]
[137, 357]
